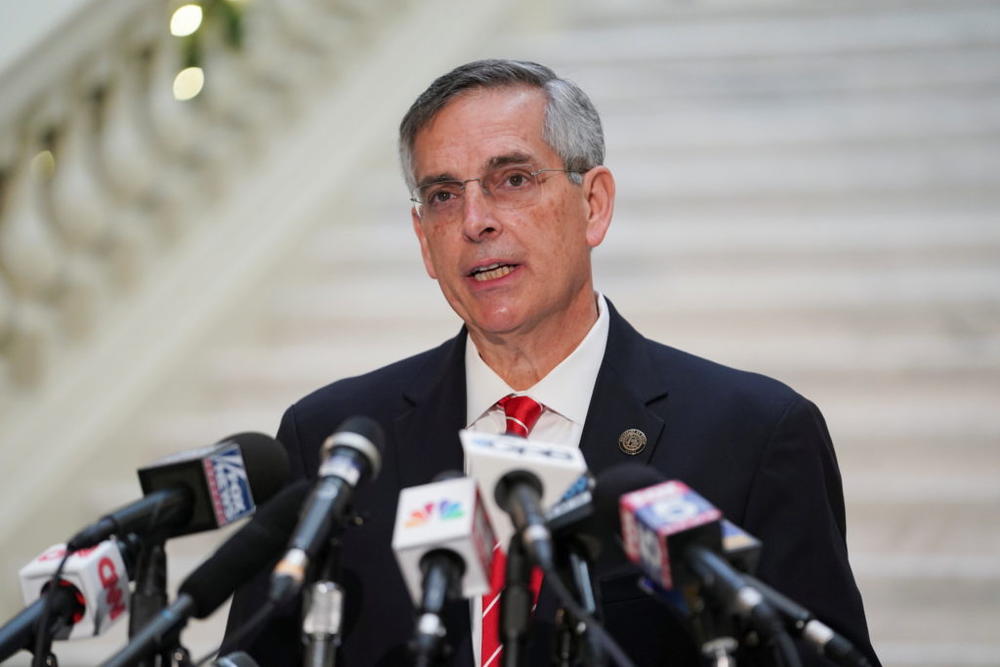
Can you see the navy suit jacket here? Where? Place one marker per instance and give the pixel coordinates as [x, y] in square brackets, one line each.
[752, 446]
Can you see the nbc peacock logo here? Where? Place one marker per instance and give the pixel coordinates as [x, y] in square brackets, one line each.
[444, 510]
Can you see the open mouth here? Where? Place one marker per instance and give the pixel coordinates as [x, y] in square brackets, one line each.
[491, 271]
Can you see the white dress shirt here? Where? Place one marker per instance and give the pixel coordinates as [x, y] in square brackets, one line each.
[564, 394]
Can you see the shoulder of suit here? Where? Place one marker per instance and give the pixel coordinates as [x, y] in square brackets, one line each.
[363, 394]
[692, 374]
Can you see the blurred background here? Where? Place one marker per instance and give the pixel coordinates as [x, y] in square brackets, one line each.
[202, 219]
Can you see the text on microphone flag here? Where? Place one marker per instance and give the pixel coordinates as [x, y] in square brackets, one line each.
[229, 486]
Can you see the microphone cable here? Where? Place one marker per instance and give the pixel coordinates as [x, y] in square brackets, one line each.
[614, 651]
[42, 640]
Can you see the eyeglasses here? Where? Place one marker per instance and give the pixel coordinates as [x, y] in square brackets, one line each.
[507, 187]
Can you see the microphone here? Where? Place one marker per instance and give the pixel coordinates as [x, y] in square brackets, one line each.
[802, 623]
[90, 596]
[538, 474]
[196, 490]
[443, 543]
[246, 552]
[675, 536]
[351, 455]
[588, 512]
[519, 494]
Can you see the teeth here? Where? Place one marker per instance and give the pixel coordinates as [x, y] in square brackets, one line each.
[495, 265]
[492, 274]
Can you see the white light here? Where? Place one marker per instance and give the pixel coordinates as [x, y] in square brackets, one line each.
[185, 20]
[43, 164]
[188, 83]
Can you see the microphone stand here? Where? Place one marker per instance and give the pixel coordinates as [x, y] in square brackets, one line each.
[713, 631]
[515, 604]
[572, 639]
[324, 611]
[150, 597]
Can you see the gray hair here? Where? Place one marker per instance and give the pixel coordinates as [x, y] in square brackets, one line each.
[572, 126]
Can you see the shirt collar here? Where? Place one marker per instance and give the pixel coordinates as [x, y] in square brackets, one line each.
[566, 389]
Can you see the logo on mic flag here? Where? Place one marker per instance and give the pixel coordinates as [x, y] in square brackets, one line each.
[445, 509]
[449, 515]
[229, 485]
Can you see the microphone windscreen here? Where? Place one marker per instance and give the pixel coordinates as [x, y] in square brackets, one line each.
[266, 463]
[364, 426]
[362, 434]
[249, 550]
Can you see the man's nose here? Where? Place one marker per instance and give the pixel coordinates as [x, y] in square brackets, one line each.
[478, 220]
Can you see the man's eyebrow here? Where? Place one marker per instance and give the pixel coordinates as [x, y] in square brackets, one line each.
[492, 163]
[437, 178]
[508, 159]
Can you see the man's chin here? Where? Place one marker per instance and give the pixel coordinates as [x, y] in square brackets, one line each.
[496, 324]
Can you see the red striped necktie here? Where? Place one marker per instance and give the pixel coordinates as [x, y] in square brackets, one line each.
[522, 413]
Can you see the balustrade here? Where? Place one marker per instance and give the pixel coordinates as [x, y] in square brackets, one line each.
[119, 157]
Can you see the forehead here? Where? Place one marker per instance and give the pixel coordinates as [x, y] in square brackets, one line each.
[480, 125]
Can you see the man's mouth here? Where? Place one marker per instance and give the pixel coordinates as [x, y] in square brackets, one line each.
[491, 271]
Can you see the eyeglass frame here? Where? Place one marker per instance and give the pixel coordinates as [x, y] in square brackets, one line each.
[462, 183]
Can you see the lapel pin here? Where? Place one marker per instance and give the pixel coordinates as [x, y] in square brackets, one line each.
[632, 441]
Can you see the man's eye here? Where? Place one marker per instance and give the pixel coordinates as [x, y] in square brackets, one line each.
[441, 195]
[516, 179]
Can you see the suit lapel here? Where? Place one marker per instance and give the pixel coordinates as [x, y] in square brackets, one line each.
[427, 432]
[625, 395]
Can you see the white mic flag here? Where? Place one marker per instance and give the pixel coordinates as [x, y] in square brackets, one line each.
[490, 456]
[444, 515]
[97, 573]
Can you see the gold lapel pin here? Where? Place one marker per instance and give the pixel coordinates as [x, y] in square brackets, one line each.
[632, 441]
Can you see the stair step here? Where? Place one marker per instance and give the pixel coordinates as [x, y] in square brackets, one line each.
[630, 12]
[829, 32]
[790, 172]
[936, 524]
[803, 120]
[750, 82]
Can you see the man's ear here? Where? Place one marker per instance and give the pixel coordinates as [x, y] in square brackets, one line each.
[599, 190]
[424, 249]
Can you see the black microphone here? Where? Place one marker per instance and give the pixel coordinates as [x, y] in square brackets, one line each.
[588, 515]
[675, 536]
[802, 623]
[248, 551]
[519, 494]
[197, 490]
[351, 455]
[66, 605]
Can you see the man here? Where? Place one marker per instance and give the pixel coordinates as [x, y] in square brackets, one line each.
[504, 162]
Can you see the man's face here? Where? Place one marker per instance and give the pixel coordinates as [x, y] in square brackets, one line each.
[544, 248]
